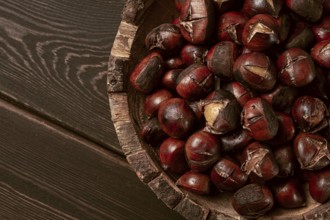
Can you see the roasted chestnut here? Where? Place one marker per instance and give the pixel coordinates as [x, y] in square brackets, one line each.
[235, 141]
[195, 182]
[241, 93]
[153, 101]
[272, 7]
[322, 30]
[319, 186]
[321, 53]
[286, 130]
[310, 10]
[191, 54]
[169, 79]
[300, 37]
[152, 133]
[286, 161]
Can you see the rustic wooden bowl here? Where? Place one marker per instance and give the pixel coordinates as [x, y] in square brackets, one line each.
[138, 18]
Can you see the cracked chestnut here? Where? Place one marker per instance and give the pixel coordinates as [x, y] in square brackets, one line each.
[227, 175]
[312, 151]
[295, 68]
[241, 93]
[260, 32]
[195, 182]
[259, 119]
[202, 150]
[321, 53]
[256, 71]
[253, 200]
[319, 186]
[195, 82]
[191, 54]
[176, 118]
[172, 156]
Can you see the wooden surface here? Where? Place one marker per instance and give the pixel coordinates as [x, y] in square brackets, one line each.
[59, 155]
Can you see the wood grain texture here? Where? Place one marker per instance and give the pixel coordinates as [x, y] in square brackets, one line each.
[46, 171]
[53, 61]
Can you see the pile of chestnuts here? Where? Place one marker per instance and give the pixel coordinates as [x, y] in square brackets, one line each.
[237, 99]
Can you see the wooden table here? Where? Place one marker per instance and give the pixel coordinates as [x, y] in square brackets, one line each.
[59, 155]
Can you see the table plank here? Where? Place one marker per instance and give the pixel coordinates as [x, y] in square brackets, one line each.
[44, 170]
[53, 61]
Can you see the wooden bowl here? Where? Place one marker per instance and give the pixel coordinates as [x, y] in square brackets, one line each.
[138, 18]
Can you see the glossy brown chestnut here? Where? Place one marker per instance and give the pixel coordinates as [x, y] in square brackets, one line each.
[288, 194]
[176, 118]
[195, 182]
[281, 97]
[256, 71]
[310, 10]
[220, 59]
[202, 151]
[286, 161]
[172, 156]
[253, 200]
[241, 93]
[227, 175]
[235, 141]
[153, 101]
[260, 32]
[310, 114]
[312, 151]
[259, 120]
[191, 54]
[301, 36]
[221, 115]
[272, 7]
[230, 26]
[319, 186]
[295, 68]
[152, 133]
[166, 38]
[197, 20]
[227, 5]
[321, 53]
[322, 30]
[195, 82]
[286, 130]
[259, 162]
[169, 79]
[174, 63]
[147, 74]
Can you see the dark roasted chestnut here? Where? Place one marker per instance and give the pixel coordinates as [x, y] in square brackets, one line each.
[259, 120]
[310, 10]
[152, 133]
[312, 151]
[195, 182]
[174, 63]
[286, 161]
[202, 151]
[191, 54]
[286, 130]
[169, 79]
[227, 5]
[319, 186]
[300, 37]
[272, 7]
[241, 93]
[288, 194]
[176, 118]
[321, 53]
[235, 141]
[153, 101]
[253, 200]
[322, 30]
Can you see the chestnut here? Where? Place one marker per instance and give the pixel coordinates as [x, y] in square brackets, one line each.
[230, 26]
[286, 130]
[310, 114]
[253, 200]
[153, 101]
[286, 161]
[174, 63]
[172, 156]
[310, 10]
[259, 120]
[322, 30]
[152, 133]
[260, 32]
[300, 37]
[227, 5]
[147, 74]
[319, 186]
[296, 68]
[281, 97]
[169, 79]
[166, 38]
[227, 175]
[198, 183]
[272, 7]
[195, 82]
[259, 162]
[256, 71]
[241, 93]
[176, 118]
[312, 151]
[202, 150]
[197, 20]
[235, 141]
[191, 54]
[321, 53]
[220, 59]
[288, 194]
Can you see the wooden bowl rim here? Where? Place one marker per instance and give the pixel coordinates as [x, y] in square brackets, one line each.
[137, 155]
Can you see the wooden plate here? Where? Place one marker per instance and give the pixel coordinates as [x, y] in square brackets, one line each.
[138, 18]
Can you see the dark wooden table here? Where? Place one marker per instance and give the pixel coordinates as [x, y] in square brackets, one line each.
[59, 154]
